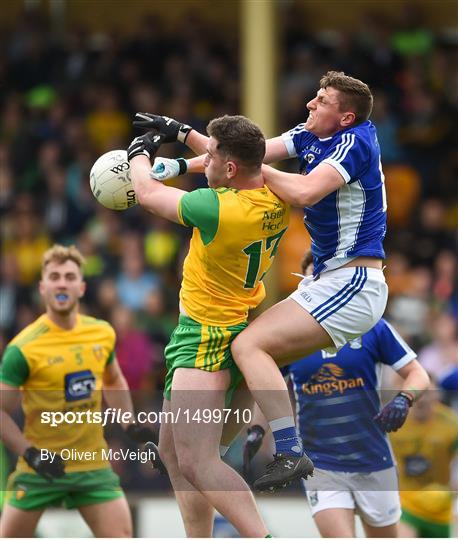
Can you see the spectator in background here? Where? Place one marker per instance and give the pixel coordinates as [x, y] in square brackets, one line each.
[139, 358]
[161, 244]
[134, 282]
[108, 126]
[11, 294]
[28, 240]
[409, 310]
[442, 353]
[387, 125]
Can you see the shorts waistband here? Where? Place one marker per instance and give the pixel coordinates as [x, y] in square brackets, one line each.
[348, 272]
[187, 321]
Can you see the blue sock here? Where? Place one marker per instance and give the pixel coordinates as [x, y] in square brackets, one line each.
[285, 435]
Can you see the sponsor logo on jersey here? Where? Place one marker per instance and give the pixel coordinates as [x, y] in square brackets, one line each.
[55, 360]
[79, 385]
[330, 379]
[97, 350]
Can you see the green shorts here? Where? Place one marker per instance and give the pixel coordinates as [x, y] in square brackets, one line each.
[426, 529]
[194, 345]
[30, 491]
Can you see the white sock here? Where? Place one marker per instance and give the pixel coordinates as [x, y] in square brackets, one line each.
[282, 423]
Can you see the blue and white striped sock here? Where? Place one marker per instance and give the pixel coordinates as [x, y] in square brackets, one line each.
[285, 435]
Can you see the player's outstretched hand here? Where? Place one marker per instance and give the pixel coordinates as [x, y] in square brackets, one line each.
[395, 412]
[255, 435]
[44, 466]
[171, 129]
[148, 438]
[145, 145]
[166, 169]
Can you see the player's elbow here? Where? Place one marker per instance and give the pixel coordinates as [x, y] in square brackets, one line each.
[141, 196]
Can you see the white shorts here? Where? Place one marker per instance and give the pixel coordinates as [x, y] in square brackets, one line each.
[373, 496]
[347, 302]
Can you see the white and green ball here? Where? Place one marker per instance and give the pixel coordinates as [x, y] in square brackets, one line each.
[110, 181]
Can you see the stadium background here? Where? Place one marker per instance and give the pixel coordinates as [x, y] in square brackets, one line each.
[74, 72]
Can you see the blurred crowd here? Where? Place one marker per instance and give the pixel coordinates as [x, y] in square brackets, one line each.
[66, 98]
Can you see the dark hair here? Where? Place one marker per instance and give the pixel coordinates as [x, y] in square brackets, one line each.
[355, 96]
[239, 138]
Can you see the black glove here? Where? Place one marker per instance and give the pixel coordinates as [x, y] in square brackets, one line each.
[146, 436]
[170, 128]
[145, 145]
[141, 434]
[255, 435]
[44, 467]
[395, 412]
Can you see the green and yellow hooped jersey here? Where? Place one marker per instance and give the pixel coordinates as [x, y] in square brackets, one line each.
[236, 235]
[61, 370]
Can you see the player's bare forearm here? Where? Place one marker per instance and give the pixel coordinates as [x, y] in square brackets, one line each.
[197, 142]
[286, 186]
[196, 165]
[116, 391]
[153, 195]
[11, 435]
[275, 150]
[416, 380]
[300, 190]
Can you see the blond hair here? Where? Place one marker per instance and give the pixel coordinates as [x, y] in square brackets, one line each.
[61, 254]
[355, 96]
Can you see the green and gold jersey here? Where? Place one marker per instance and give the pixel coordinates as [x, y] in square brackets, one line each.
[424, 452]
[61, 370]
[236, 235]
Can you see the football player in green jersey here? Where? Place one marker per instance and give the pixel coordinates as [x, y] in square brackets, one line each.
[59, 365]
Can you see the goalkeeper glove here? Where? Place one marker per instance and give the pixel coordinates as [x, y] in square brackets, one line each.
[145, 145]
[44, 467]
[255, 435]
[165, 168]
[148, 438]
[395, 412]
[171, 129]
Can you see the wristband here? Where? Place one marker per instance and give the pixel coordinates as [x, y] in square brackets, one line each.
[407, 396]
[183, 165]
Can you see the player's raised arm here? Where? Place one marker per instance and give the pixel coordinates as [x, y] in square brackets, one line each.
[172, 130]
[276, 150]
[300, 190]
[151, 194]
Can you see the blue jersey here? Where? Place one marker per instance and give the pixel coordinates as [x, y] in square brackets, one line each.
[350, 222]
[337, 398]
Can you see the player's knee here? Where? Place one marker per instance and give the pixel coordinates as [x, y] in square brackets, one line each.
[188, 467]
[167, 455]
[194, 470]
[125, 530]
[240, 349]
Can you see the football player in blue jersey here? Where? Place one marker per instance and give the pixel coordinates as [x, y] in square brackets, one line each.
[343, 428]
[341, 187]
[337, 403]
